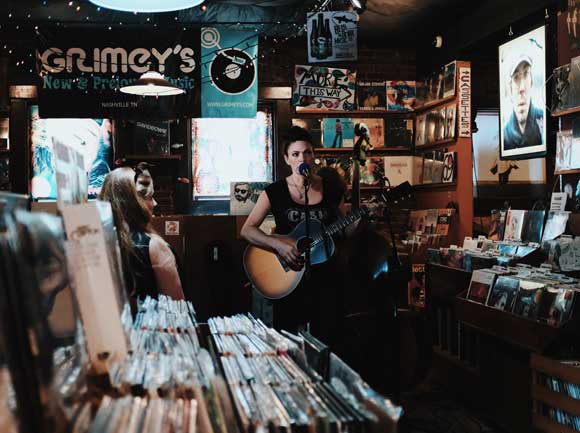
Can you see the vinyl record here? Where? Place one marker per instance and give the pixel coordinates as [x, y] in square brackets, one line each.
[232, 71]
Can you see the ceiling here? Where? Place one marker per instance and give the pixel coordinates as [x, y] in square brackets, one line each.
[383, 21]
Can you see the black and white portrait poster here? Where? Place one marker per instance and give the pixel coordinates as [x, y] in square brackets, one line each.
[522, 74]
[244, 195]
[332, 36]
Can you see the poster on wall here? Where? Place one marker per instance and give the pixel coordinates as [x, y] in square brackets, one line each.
[332, 36]
[88, 72]
[489, 169]
[324, 88]
[91, 138]
[229, 73]
[522, 74]
[244, 195]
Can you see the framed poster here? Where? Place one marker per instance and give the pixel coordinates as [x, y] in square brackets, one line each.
[522, 74]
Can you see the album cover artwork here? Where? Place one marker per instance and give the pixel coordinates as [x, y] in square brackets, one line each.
[420, 130]
[444, 217]
[400, 95]
[503, 293]
[371, 95]
[533, 226]
[440, 124]
[450, 121]
[497, 225]
[313, 126]
[480, 286]
[567, 151]
[438, 165]
[373, 171]
[561, 90]
[438, 85]
[561, 308]
[398, 132]
[449, 80]
[529, 299]
[416, 287]
[337, 132]
[152, 136]
[555, 225]
[449, 167]
[430, 224]
[422, 92]
[341, 163]
[376, 127]
[507, 249]
[431, 126]
[514, 225]
[244, 195]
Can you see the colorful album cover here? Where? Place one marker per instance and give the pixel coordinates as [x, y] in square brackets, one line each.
[373, 171]
[507, 249]
[450, 120]
[341, 163]
[455, 258]
[480, 286]
[371, 95]
[497, 225]
[244, 195]
[444, 217]
[449, 80]
[313, 126]
[400, 95]
[430, 225]
[376, 128]
[420, 130]
[503, 293]
[337, 132]
[398, 132]
[421, 92]
[534, 226]
[529, 299]
[416, 286]
[152, 137]
[514, 225]
[324, 88]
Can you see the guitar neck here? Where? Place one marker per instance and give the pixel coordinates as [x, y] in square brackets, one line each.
[340, 224]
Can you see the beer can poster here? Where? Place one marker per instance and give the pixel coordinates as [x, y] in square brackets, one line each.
[332, 36]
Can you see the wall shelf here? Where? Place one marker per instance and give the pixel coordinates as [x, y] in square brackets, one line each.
[434, 186]
[431, 104]
[358, 113]
[430, 146]
[398, 149]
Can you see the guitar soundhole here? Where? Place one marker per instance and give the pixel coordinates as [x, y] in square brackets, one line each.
[303, 244]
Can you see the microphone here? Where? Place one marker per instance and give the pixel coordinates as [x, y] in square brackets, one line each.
[304, 170]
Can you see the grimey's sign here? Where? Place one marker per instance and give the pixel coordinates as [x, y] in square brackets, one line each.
[82, 78]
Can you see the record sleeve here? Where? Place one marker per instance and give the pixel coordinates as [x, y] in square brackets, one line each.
[313, 126]
[480, 286]
[533, 226]
[514, 225]
[555, 225]
[528, 299]
[371, 95]
[376, 130]
[503, 293]
[450, 121]
[449, 80]
[337, 132]
[420, 130]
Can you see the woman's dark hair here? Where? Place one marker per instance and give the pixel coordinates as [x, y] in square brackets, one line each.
[296, 133]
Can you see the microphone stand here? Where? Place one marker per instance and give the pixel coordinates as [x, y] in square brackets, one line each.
[387, 218]
[307, 231]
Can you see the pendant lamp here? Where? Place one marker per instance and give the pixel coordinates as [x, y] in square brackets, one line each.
[152, 83]
[147, 6]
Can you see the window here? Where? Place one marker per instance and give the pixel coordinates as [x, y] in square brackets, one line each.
[231, 150]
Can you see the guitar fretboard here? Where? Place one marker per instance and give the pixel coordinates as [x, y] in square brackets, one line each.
[338, 225]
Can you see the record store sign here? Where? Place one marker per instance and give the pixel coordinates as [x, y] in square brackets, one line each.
[322, 87]
[465, 102]
[229, 73]
[81, 78]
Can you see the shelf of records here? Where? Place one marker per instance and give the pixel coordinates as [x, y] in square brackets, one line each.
[428, 227]
[98, 368]
[522, 305]
[430, 169]
[555, 393]
[382, 96]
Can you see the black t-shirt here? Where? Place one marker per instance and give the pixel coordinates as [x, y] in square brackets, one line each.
[288, 214]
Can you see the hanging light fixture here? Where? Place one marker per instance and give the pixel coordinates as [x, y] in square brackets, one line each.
[147, 6]
[152, 83]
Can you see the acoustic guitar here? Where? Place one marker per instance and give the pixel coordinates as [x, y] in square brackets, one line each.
[272, 277]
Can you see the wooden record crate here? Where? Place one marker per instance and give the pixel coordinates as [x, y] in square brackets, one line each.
[543, 395]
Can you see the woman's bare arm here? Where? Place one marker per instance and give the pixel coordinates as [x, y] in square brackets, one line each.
[165, 268]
